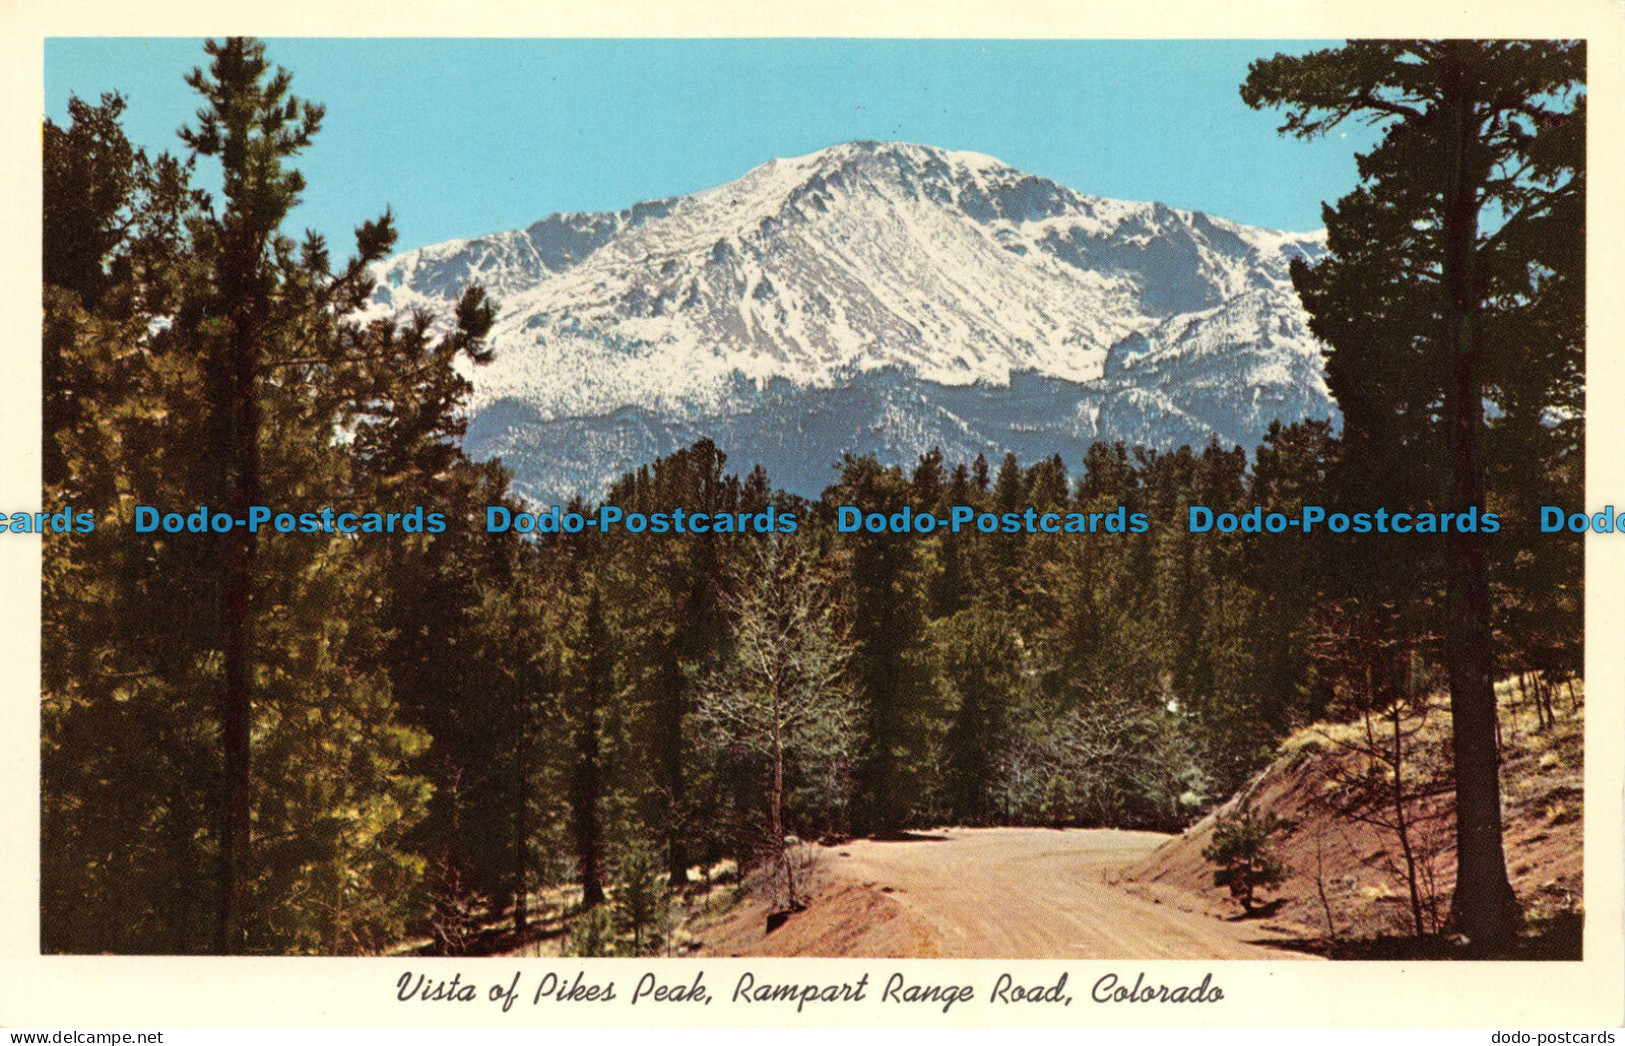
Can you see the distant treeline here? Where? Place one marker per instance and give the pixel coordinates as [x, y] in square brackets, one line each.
[327, 743]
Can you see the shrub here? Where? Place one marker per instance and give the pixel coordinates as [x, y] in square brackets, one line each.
[640, 900]
[592, 935]
[1241, 848]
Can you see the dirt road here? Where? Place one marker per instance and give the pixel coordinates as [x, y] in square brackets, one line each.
[1015, 893]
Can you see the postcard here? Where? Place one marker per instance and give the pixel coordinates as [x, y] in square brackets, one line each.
[527, 517]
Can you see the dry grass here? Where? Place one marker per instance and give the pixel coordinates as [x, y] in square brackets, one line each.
[1347, 881]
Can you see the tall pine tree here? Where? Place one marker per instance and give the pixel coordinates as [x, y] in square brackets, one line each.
[1435, 258]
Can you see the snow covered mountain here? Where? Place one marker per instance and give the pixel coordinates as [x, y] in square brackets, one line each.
[878, 297]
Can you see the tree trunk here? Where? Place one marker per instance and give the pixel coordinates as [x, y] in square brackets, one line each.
[587, 793]
[238, 404]
[521, 819]
[671, 756]
[589, 830]
[776, 823]
[235, 711]
[1483, 907]
[1401, 824]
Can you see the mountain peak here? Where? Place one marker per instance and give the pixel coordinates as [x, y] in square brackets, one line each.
[909, 168]
[812, 276]
[914, 153]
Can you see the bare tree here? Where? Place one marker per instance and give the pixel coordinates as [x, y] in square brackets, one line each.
[1116, 758]
[783, 695]
[1384, 780]
[1320, 884]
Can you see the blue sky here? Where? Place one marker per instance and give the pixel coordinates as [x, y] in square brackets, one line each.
[466, 137]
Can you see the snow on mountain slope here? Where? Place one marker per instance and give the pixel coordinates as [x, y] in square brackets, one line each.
[877, 297]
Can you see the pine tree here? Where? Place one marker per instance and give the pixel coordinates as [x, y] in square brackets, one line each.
[1241, 848]
[950, 586]
[926, 482]
[255, 126]
[980, 664]
[125, 748]
[1009, 496]
[680, 624]
[640, 901]
[1436, 258]
[882, 582]
[217, 370]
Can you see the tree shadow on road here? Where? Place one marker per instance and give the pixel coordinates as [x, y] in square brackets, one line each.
[1263, 911]
[909, 837]
[1554, 939]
